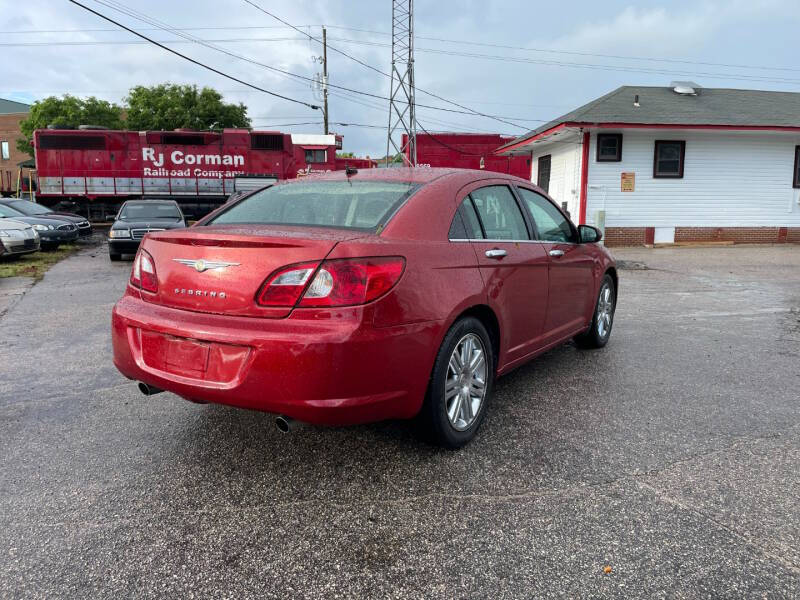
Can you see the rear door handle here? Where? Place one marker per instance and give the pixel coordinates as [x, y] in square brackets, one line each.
[495, 253]
[556, 253]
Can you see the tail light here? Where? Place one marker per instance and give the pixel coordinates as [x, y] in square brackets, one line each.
[143, 274]
[338, 282]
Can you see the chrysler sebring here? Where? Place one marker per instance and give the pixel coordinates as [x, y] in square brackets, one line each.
[358, 296]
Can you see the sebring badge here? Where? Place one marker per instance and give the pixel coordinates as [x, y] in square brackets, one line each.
[205, 265]
[204, 293]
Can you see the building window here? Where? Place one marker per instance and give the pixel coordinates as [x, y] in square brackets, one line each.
[796, 180]
[543, 173]
[4, 150]
[609, 147]
[316, 156]
[668, 158]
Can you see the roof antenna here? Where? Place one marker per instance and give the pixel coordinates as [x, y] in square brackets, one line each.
[636, 101]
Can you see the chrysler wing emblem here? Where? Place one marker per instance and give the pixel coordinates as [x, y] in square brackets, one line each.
[204, 265]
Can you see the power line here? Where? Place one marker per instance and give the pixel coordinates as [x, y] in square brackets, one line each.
[340, 123]
[385, 74]
[288, 124]
[164, 27]
[209, 28]
[494, 57]
[382, 109]
[430, 38]
[191, 60]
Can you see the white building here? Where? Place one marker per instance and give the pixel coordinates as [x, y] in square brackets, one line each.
[678, 163]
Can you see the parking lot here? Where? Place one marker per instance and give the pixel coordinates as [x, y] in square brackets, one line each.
[671, 457]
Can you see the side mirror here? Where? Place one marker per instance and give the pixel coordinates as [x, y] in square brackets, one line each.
[588, 234]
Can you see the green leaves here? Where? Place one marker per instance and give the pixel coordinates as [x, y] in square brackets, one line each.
[166, 106]
[170, 106]
[68, 112]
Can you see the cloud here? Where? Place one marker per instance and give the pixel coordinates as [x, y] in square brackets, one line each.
[714, 31]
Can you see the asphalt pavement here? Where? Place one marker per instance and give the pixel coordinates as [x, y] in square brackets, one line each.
[665, 465]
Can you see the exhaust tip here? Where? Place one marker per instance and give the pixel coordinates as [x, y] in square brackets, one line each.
[283, 423]
[148, 390]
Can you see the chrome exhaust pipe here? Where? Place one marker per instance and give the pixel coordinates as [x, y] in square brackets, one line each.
[283, 423]
[148, 390]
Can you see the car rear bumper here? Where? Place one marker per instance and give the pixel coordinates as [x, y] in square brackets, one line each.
[325, 367]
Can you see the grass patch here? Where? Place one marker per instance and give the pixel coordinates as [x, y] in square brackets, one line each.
[36, 264]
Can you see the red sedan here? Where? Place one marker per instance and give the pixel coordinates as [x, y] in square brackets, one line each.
[354, 297]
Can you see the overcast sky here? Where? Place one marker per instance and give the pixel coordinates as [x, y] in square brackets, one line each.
[564, 54]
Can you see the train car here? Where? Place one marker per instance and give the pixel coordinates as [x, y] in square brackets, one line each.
[469, 151]
[95, 170]
[356, 163]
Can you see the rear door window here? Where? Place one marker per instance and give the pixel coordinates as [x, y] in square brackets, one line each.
[466, 225]
[499, 213]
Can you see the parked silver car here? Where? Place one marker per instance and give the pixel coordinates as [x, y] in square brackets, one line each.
[18, 238]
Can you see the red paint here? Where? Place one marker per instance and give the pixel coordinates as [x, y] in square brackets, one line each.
[185, 164]
[346, 364]
[356, 163]
[465, 151]
[650, 236]
[584, 177]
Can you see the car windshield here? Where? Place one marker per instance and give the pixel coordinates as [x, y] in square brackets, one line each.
[7, 211]
[135, 211]
[29, 208]
[343, 204]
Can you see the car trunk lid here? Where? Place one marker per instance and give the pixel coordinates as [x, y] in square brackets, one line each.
[220, 269]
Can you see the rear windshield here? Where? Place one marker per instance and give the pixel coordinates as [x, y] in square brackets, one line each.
[134, 211]
[343, 204]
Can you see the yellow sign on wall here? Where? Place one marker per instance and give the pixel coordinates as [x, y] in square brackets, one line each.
[627, 182]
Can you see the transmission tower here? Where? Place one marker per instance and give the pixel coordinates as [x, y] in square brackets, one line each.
[402, 115]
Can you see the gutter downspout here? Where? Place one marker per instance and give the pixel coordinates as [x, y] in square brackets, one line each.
[584, 178]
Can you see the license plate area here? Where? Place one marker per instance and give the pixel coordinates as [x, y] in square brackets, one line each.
[201, 360]
[186, 357]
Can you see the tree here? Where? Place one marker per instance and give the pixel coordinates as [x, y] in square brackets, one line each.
[171, 106]
[345, 155]
[68, 112]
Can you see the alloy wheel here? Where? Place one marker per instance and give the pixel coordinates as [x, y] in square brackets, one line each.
[465, 384]
[605, 310]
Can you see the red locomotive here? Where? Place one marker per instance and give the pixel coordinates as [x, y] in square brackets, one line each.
[469, 151]
[98, 169]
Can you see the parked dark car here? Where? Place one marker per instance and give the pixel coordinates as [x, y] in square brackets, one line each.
[34, 209]
[52, 232]
[136, 218]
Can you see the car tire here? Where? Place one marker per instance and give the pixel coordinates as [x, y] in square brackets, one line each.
[452, 412]
[48, 247]
[114, 256]
[603, 318]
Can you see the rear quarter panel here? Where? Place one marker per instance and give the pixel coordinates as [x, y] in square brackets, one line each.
[438, 280]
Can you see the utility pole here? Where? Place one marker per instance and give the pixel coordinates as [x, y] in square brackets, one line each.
[402, 113]
[325, 77]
